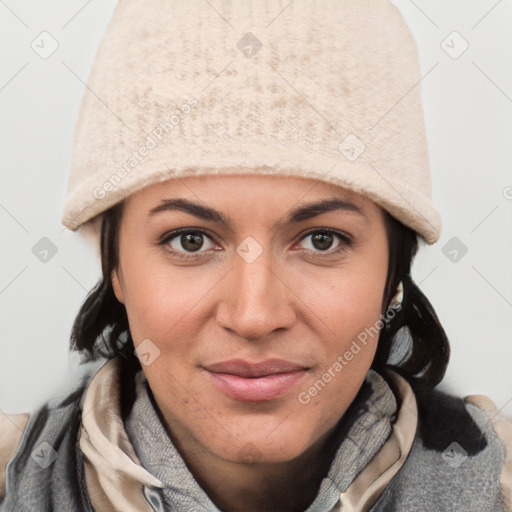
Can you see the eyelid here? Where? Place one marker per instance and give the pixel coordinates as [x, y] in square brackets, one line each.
[342, 234]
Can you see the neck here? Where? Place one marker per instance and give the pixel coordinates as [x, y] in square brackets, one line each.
[289, 486]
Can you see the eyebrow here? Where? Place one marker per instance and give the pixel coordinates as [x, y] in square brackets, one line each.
[300, 214]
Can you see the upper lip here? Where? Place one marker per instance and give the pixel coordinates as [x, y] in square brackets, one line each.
[256, 369]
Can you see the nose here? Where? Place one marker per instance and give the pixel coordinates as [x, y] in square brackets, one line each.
[256, 299]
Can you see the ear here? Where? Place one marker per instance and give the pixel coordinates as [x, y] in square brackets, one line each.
[116, 285]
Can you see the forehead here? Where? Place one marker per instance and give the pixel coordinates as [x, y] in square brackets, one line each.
[281, 190]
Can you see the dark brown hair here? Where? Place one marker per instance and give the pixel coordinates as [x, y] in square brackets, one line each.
[413, 343]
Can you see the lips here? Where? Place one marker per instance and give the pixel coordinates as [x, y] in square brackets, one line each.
[247, 369]
[252, 382]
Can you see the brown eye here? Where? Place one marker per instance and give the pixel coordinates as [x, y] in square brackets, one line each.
[191, 242]
[322, 240]
[183, 243]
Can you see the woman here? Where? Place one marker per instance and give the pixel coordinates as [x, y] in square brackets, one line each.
[256, 180]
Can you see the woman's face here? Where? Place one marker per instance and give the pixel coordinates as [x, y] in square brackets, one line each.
[273, 283]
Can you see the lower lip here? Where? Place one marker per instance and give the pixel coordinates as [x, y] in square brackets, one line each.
[255, 389]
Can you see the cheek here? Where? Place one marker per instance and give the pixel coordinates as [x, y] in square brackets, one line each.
[350, 320]
[152, 301]
[357, 307]
[163, 303]
[349, 299]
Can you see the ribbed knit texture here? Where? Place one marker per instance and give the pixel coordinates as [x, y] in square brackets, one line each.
[361, 435]
[323, 89]
[427, 482]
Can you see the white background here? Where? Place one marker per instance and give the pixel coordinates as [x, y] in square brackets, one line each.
[468, 114]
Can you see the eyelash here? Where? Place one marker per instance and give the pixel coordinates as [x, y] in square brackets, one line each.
[346, 241]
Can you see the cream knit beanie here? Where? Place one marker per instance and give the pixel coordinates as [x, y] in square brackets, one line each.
[325, 89]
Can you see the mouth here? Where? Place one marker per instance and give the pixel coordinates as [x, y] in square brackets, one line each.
[253, 382]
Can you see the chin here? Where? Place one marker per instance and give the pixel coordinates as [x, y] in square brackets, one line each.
[261, 451]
